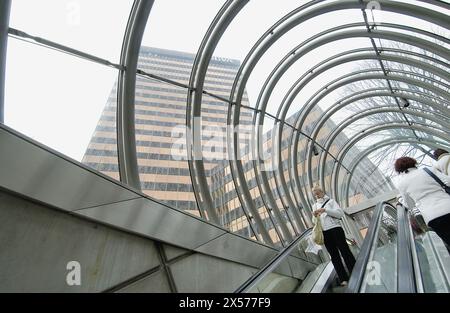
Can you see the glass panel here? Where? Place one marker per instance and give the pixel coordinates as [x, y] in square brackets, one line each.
[248, 157]
[101, 153]
[244, 31]
[174, 36]
[381, 271]
[367, 182]
[220, 183]
[307, 93]
[95, 27]
[270, 153]
[434, 262]
[383, 16]
[301, 166]
[60, 107]
[297, 272]
[160, 117]
[287, 131]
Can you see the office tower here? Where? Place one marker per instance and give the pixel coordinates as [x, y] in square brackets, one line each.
[160, 115]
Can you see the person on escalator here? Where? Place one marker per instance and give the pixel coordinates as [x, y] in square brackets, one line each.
[330, 213]
[421, 188]
[442, 158]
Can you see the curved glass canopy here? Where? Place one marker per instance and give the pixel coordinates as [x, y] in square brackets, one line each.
[233, 110]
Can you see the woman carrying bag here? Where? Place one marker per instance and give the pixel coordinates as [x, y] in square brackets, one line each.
[328, 213]
[428, 190]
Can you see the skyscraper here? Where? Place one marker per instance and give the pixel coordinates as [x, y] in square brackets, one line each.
[160, 115]
[160, 118]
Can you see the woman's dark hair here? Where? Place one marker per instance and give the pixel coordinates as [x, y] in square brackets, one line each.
[402, 164]
[438, 152]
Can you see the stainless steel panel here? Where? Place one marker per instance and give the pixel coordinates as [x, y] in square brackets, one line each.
[156, 282]
[30, 170]
[300, 268]
[238, 249]
[37, 243]
[313, 277]
[325, 279]
[284, 268]
[372, 202]
[275, 283]
[173, 252]
[202, 273]
[300, 254]
[154, 220]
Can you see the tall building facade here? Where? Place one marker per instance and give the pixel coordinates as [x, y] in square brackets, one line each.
[160, 119]
[160, 111]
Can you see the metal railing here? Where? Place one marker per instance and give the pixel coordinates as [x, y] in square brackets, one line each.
[408, 275]
[272, 264]
[359, 270]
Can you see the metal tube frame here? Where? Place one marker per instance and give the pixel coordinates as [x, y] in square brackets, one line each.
[308, 107]
[126, 88]
[354, 98]
[376, 147]
[251, 60]
[422, 84]
[348, 79]
[5, 10]
[126, 143]
[204, 54]
[377, 128]
[377, 110]
[361, 57]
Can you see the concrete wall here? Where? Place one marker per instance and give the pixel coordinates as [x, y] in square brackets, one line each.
[55, 210]
[38, 242]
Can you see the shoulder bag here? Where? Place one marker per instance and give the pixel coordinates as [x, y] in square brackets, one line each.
[317, 234]
[437, 179]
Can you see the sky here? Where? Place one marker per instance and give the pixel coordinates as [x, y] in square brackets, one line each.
[57, 99]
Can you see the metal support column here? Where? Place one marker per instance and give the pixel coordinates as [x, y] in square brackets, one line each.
[126, 139]
[5, 9]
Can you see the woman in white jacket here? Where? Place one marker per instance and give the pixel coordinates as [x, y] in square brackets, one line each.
[442, 161]
[420, 190]
[330, 214]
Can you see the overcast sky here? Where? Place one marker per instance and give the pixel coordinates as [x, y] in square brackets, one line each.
[57, 99]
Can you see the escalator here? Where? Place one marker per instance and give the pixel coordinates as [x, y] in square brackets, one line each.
[395, 257]
[316, 276]
[399, 257]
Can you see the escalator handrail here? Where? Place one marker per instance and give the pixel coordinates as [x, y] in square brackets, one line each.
[360, 267]
[406, 280]
[272, 264]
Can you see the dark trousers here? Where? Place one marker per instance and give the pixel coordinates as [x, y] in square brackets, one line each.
[441, 226]
[335, 242]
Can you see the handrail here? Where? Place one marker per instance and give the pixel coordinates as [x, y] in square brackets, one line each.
[407, 263]
[441, 266]
[353, 229]
[419, 283]
[406, 281]
[359, 269]
[415, 258]
[272, 264]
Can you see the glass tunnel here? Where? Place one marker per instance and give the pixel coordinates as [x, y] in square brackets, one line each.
[160, 144]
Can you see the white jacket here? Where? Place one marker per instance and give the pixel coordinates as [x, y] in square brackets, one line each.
[332, 215]
[419, 189]
[443, 164]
